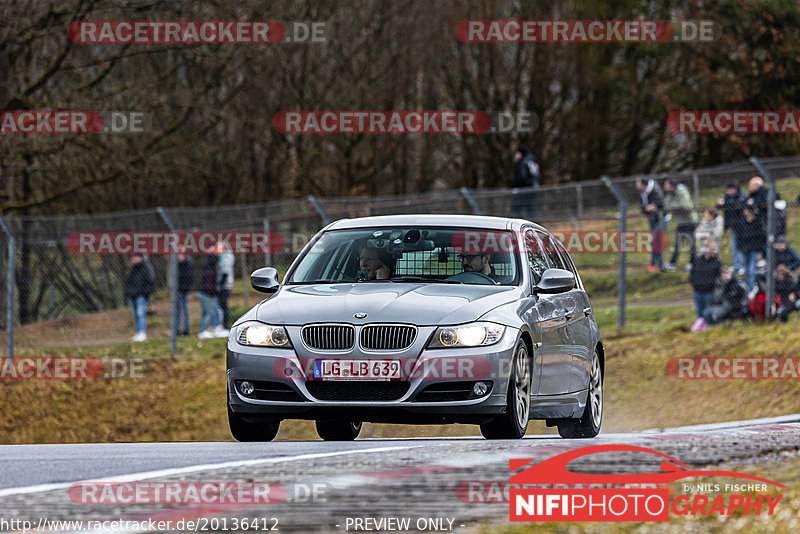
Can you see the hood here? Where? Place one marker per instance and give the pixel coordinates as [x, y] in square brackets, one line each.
[419, 304]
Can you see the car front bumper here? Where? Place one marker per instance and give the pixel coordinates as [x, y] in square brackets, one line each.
[422, 368]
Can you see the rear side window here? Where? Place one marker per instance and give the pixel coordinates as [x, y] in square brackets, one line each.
[550, 248]
[536, 260]
[570, 265]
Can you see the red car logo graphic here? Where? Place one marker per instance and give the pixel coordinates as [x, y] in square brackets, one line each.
[554, 470]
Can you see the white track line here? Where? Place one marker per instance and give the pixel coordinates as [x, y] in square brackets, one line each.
[350, 480]
[132, 477]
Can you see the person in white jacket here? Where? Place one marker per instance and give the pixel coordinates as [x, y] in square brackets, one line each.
[709, 229]
[224, 285]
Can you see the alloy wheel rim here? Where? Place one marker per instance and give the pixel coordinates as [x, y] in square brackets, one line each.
[596, 392]
[522, 387]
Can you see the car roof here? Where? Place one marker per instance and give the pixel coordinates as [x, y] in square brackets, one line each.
[469, 221]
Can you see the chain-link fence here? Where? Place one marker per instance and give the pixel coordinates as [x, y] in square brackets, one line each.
[61, 296]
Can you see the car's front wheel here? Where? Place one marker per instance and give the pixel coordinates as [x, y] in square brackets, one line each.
[514, 423]
[338, 430]
[242, 430]
[588, 426]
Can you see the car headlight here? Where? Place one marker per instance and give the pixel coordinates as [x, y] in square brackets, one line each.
[468, 335]
[264, 335]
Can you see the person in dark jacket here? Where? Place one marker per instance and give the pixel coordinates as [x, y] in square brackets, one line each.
[705, 271]
[728, 300]
[526, 180]
[653, 208]
[210, 317]
[185, 281]
[758, 197]
[751, 240]
[759, 201]
[731, 205]
[138, 288]
[786, 291]
[786, 255]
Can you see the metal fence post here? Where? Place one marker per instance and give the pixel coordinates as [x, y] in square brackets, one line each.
[696, 185]
[769, 310]
[245, 291]
[172, 283]
[12, 246]
[320, 210]
[471, 200]
[268, 251]
[622, 204]
[579, 204]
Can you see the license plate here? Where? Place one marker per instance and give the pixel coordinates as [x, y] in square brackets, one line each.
[357, 369]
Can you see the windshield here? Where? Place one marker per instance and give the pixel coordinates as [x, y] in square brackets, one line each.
[410, 254]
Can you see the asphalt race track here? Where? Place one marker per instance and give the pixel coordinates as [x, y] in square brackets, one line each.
[416, 478]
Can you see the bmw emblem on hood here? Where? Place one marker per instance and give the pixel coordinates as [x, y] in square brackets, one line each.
[360, 315]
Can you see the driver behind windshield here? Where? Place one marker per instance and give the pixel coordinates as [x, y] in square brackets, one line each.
[478, 263]
[375, 263]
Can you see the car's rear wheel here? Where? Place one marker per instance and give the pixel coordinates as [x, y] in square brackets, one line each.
[588, 426]
[514, 423]
[338, 430]
[242, 430]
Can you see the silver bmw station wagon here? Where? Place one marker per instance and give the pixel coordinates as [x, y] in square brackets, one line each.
[419, 319]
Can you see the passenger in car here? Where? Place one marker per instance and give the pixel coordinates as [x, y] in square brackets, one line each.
[375, 263]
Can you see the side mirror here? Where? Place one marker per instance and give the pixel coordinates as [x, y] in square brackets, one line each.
[265, 280]
[555, 281]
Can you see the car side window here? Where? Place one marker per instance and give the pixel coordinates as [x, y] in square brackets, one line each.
[536, 260]
[570, 265]
[550, 249]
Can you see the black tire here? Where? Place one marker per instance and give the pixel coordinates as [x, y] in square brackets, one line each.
[588, 426]
[242, 430]
[338, 430]
[514, 423]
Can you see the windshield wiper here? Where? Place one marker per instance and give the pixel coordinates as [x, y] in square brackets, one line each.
[411, 278]
[322, 281]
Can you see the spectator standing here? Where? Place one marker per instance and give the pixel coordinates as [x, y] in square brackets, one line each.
[751, 240]
[678, 203]
[759, 200]
[731, 205]
[526, 180]
[652, 201]
[138, 288]
[224, 287]
[210, 316]
[728, 300]
[704, 273]
[758, 197]
[185, 281]
[709, 229]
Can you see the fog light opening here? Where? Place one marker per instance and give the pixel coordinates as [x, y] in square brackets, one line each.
[480, 389]
[246, 388]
